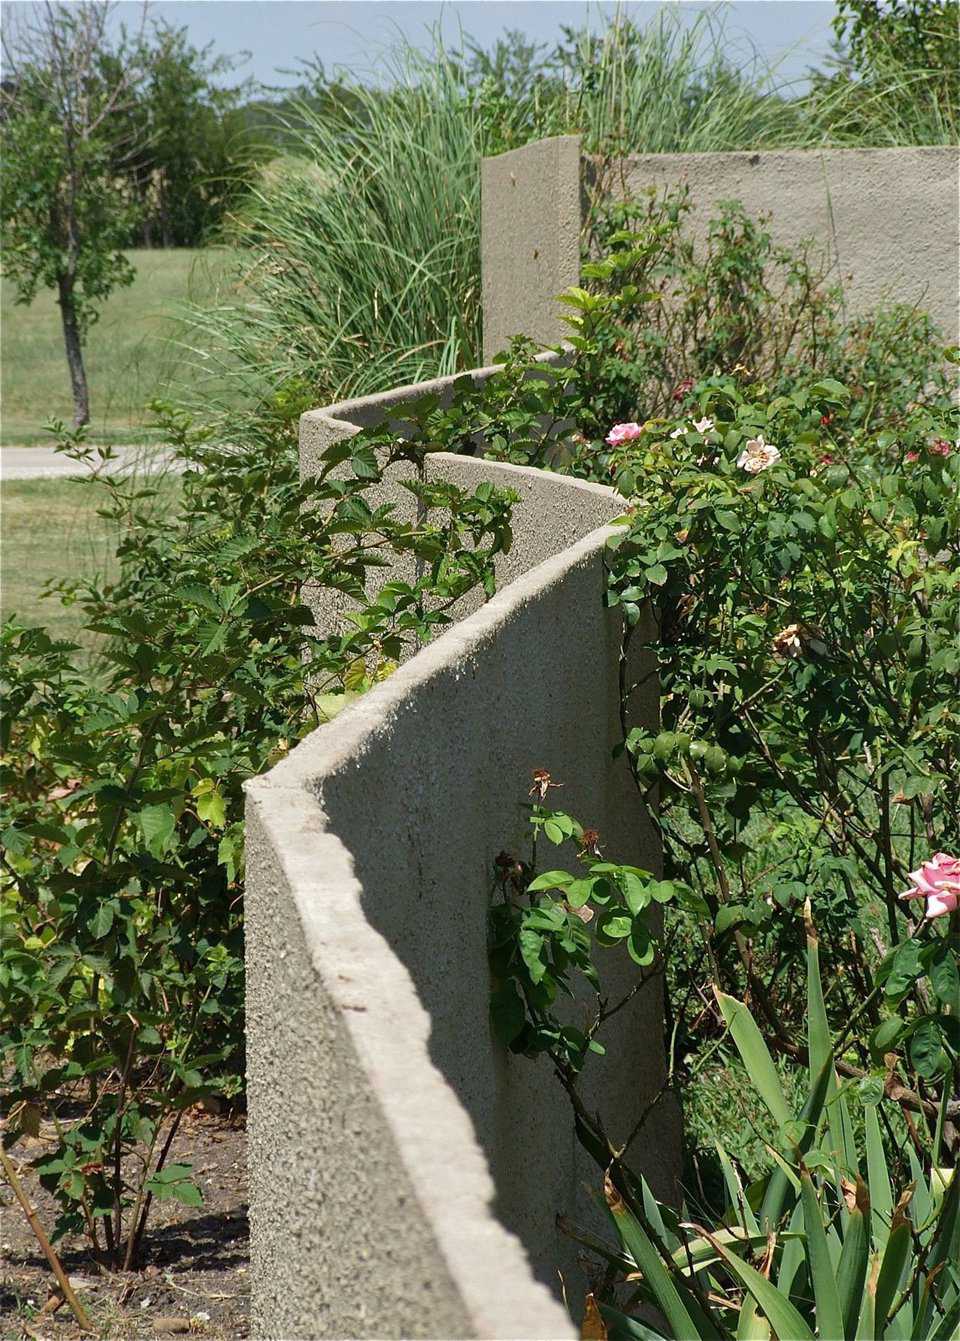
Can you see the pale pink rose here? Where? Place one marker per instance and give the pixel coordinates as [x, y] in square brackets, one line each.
[941, 447]
[623, 433]
[757, 455]
[911, 457]
[704, 425]
[937, 881]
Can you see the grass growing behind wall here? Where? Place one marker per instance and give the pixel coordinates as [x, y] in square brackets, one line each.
[360, 249]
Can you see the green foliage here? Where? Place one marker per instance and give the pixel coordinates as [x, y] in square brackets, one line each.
[896, 76]
[122, 879]
[62, 221]
[663, 310]
[361, 240]
[185, 155]
[824, 1245]
[804, 625]
[543, 932]
[60, 214]
[802, 621]
[359, 247]
[132, 353]
[105, 134]
[667, 86]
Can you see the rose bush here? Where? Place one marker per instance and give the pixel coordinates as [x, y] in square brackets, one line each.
[789, 569]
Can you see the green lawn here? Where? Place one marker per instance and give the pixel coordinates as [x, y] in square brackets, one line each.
[132, 351]
[51, 531]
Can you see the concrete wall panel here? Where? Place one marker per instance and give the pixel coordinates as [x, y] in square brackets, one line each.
[530, 240]
[886, 220]
[557, 525]
[405, 1171]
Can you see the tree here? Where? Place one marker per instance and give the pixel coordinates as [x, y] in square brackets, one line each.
[65, 213]
[915, 34]
[192, 153]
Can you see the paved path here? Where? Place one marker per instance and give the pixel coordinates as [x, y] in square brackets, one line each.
[43, 463]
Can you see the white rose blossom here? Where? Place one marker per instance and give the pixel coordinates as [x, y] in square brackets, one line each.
[757, 455]
[704, 425]
[679, 432]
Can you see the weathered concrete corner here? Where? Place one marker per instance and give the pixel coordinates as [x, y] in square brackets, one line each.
[530, 240]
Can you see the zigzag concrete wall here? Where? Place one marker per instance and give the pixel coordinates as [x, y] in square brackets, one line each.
[405, 1172]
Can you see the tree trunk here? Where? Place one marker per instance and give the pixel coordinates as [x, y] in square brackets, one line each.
[74, 348]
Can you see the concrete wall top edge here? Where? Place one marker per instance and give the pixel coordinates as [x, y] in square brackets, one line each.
[360, 970]
[362, 973]
[368, 411]
[378, 1003]
[948, 153]
[534, 145]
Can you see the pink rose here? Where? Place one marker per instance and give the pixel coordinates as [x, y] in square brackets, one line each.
[941, 447]
[623, 433]
[937, 881]
[911, 457]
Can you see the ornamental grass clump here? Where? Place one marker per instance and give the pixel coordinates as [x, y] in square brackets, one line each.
[357, 252]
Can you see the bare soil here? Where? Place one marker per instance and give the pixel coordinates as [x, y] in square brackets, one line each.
[195, 1274]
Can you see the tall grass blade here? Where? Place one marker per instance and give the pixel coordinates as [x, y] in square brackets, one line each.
[756, 1058]
[679, 1307]
[891, 1271]
[785, 1320]
[825, 1289]
[878, 1179]
[852, 1268]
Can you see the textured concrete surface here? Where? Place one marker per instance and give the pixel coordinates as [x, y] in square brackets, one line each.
[405, 1172]
[553, 524]
[886, 220]
[530, 240]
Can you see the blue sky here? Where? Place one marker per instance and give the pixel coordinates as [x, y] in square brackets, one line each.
[349, 33]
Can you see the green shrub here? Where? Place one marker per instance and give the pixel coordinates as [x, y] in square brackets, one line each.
[122, 881]
[895, 82]
[819, 1243]
[788, 567]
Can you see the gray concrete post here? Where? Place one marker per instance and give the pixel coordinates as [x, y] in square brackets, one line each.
[530, 240]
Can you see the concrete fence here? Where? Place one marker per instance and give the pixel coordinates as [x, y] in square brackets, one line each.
[405, 1171]
[886, 221]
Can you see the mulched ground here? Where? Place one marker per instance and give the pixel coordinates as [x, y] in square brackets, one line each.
[195, 1276]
